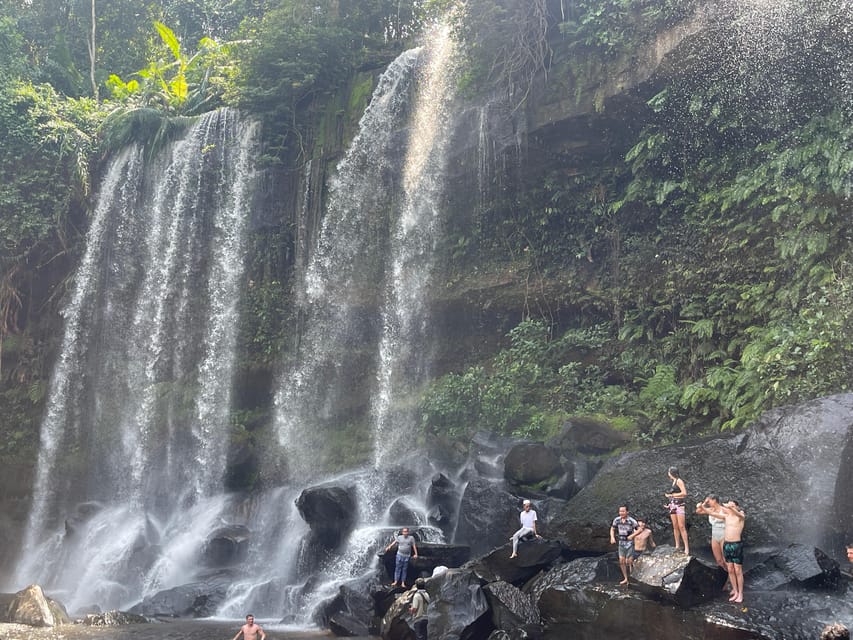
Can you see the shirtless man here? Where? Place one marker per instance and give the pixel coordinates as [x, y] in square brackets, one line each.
[850, 551]
[732, 543]
[642, 538]
[250, 630]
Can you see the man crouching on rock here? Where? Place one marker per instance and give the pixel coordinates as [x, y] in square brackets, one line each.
[732, 542]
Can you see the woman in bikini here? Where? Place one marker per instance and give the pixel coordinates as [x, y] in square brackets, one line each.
[676, 494]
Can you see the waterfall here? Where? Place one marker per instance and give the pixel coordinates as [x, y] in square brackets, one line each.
[363, 303]
[137, 426]
[338, 288]
[404, 352]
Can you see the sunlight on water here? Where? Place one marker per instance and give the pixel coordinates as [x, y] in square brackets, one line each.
[404, 348]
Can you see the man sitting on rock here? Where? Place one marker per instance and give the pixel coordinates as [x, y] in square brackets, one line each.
[642, 538]
[528, 525]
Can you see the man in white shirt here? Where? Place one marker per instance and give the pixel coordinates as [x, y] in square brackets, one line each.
[528, 525]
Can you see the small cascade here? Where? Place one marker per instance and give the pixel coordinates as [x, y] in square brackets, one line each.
[137, 427]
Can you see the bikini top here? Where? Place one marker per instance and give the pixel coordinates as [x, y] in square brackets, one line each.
[676, 489]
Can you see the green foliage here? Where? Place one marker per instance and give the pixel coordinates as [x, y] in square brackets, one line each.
[296, 53]
[160, 103]
[528, 389]
[615, 28]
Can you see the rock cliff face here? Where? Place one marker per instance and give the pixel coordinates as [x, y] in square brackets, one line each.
[783, 471]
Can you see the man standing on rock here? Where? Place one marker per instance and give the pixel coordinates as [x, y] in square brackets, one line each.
[732, 542]
[528, 525]
[405, 545]
[623, 526]
[250, 630]
[850, 552]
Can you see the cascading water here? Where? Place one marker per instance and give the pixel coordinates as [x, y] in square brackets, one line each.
[136, 431]
[338, 289]
[404, 347]
[364, 309]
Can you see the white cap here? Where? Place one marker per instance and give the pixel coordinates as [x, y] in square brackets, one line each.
[526, 502]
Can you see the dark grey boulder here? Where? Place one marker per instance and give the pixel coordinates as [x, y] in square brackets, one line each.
[531, 463]
[592, 612]
[511, 608]
[403, 513]
[588, 436]
[347, 625]
[488, 515]
[432, 555]
[582, 571]
[442, 503]
[199, 599]
[352, 611]
[330, 511]
[797, 565]
[563, 487]
[534, 556]
[459, 609]
[226, 546]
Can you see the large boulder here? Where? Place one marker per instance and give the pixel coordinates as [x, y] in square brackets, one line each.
[511, 608]
[442, 503]
[113, 619]
[488, 515]
[199, 599]
[588, 436]
[796, 565]
[330, 511]
[32, 607]
[226, 546]
[403, 512]
[459, 610]
[534, 556]
[352, 611]
[683, 580]
[783, 471]
[531, 463]
[432, 555]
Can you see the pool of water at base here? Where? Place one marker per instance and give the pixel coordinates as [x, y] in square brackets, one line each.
[172, 630]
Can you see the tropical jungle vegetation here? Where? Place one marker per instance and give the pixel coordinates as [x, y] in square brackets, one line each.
[704, 249]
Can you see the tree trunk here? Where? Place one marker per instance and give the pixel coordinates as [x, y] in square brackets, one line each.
[91, 43]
